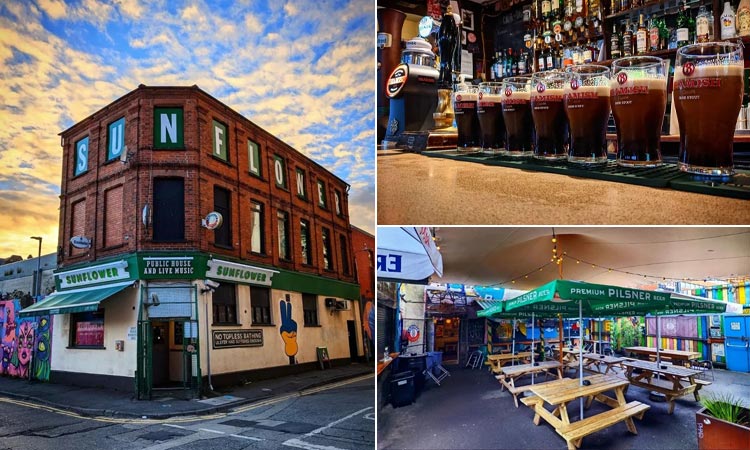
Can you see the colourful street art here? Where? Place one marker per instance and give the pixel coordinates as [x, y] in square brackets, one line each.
[288, 330]
[24, 343]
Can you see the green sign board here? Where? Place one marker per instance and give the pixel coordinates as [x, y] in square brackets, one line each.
[169, 128]
[172, 267]
[220, 141]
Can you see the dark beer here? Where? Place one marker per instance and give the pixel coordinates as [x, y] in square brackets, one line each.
[490, 112]
[550, 122]
[707, 100]
[518, 122]
[467, 121]
[638, 107]
[587, 108]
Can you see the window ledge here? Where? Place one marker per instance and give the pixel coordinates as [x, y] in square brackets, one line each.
[226, 324]
[85, 348]
[261, 255]
[313, 326]
[216, 158]
[225, 247]
[262, 325]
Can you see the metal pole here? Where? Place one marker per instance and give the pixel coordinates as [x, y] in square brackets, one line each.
[580, 352]
[513, 344]
[38, 282]
[658, 341]
[532, 346]
[208, 348]
[601, 324]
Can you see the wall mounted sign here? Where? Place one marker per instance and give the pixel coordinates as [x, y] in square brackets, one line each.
[169, 266]
[238, 338]
[80, 242]
[102, 273]
[213, 220]
[239, 273]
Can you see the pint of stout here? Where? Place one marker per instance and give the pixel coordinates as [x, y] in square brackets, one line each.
[586, 100]
[465, 108]
[549, 116]
[490, 112]
[708, 87]
[638, 96]
[519, 127]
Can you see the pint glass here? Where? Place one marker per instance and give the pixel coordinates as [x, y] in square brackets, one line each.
[490, 112]
[708, 86]
[638, 97]
[467, 121]
[586, 99]
[549, 116]
[517, 116]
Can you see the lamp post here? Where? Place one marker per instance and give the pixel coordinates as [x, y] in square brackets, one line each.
[38, 284]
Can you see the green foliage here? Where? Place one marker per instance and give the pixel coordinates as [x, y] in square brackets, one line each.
[625, 334]
[727, 407]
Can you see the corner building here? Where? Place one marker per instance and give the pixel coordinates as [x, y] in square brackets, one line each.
[151, 295]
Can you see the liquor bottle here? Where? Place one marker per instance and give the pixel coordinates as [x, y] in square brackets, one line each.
[701, 25]
[663, 34]
[588, 54]
[509, 62]
[711, 26]
[546, 8]
[728, 22]
[743, 18]
[550, 58]
[691, 24]
[515, 65]
[653, 35]
[641, 37]
[627, 40]
[556, 10]
[624, 4]
[614, 43]
[540, 61]
[683, 33]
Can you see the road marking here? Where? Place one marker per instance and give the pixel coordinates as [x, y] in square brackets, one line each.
[208, 430]
[175, 426]
[247, 437]
[370, 416]
[306, 445]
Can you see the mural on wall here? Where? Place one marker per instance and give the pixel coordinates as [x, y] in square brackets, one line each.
[24, 343]
[288, 330]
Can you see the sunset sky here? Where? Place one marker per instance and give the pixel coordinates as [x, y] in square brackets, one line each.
[300, 69]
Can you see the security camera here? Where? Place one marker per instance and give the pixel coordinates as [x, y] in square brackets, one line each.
[211, 284]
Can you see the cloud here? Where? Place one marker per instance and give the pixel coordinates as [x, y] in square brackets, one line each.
[56, 9]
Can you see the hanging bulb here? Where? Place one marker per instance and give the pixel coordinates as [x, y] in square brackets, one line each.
[554, 240]
[514, 281]
[578, 262]
[554, 250]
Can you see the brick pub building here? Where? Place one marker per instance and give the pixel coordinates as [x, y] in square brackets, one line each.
[151, 294]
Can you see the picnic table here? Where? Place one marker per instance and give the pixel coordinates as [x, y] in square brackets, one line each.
[558, 394]
[673, 355]
[595, 362]
[511, 374]
[498, 361]
[672, 381]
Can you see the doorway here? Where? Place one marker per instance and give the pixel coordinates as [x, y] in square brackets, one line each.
[446, 338]
[170, 366]
[351, 328]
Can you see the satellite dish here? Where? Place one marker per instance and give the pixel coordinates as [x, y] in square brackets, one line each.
[146, 215]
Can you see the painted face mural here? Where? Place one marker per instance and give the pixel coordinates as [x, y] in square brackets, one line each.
[23, 342]
[25, 347]
[288, 330]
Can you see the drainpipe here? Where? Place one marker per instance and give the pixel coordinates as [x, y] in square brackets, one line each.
[208, 347]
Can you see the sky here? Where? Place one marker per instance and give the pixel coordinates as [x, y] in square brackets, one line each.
[300, 69]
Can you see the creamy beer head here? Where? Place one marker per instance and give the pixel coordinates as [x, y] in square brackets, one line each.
[707, 94]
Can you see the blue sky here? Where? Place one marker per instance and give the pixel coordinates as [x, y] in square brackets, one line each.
[300, 69]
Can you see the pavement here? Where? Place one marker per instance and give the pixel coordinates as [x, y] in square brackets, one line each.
[469, 411]
[95, 402]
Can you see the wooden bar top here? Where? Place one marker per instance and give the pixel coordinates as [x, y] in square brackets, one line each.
[383, 364]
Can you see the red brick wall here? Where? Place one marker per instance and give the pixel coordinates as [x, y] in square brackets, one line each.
[364, 253]
[113, 234]
[201, 171]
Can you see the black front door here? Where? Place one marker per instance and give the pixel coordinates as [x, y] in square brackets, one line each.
[352, 329]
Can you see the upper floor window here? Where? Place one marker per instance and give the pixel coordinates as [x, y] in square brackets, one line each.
[344, 254]
[304, 237]
[169, 210]
[327, 256]
[322, 194]
[301, 188]
[115, 139]
[282, 219]
[253, 157]
[220, 141]
[257, 236]
[279, 168]
[337, 201]
[223, 206]
[169, 128]
[82, 156]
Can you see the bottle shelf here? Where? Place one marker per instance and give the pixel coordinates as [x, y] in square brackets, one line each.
[660, 53]
[650, 6]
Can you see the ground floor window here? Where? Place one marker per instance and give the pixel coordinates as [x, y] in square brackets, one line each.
[225, 304]
[260, 303]
[310, 309]
[87, 329]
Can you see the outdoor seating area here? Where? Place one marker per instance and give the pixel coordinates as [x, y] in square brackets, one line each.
[671, 380]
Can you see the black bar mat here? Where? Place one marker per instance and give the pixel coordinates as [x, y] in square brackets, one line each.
[665, 176]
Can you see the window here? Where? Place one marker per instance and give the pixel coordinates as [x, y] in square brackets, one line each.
[253, 157]
[82, 156]
[279, 168]
[257, 238]
[282, 220]
[113, 217]
[224, 300]
[322, 194]
[87, 329]
[304, 237]
[78, 225]
[168, 128]
[310, 309]
[337, 201]
[115, 139]
[222, 205]
[260, 304]
[220, 141]
[301, 189]
[327, 262]
[344, 255]
[169, 210]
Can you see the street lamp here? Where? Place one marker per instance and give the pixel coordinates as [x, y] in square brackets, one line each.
[38, 284]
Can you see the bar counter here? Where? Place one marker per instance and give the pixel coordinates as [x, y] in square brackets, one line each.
[416, 189]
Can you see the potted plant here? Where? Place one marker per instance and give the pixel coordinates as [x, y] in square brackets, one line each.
[723, 423]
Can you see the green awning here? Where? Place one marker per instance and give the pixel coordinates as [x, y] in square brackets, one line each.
[79, 300]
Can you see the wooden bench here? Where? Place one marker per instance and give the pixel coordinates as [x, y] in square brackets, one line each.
[531, 401]
[576, 431]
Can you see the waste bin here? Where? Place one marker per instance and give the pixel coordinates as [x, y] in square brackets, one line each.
[434, 359]
[402, 389]
[416, 364]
